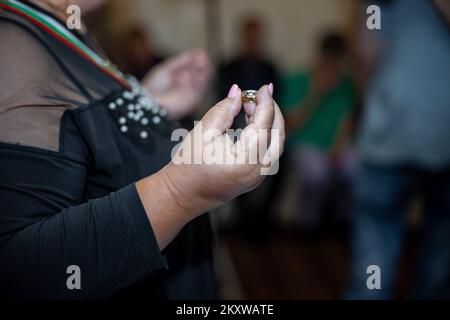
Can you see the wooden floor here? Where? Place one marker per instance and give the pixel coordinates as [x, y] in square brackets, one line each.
[289, 268]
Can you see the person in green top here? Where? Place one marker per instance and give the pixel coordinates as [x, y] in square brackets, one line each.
[318, 104]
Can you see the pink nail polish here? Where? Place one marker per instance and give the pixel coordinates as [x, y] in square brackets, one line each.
[271, 88]
[233, 91]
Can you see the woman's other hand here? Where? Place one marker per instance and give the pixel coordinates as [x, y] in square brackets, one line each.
[179, 84]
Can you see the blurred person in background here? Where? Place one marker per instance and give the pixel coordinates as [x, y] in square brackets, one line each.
[318, 105]
[250, 69]
[404, 148]
[140, 53]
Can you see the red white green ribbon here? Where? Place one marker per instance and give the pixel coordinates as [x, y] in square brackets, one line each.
[59, 31]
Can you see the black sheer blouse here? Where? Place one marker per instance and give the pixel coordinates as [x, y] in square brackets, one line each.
[72, 143]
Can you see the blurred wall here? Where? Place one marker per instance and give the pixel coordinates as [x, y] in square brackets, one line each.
[174, 24]
[293, 25]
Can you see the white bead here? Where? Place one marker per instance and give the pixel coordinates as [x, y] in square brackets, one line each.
[138, 106]
[162, 112]
[143, 134]
[124, 129]
[130, 107]
[130, 114]
[112, 105]
[144, 121]
[156, 119]
[144, 104]
[119, 101]
[122, 120]
[128, 95]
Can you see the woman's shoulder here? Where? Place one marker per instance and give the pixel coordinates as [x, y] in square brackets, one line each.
[23, 59]
[30, 81]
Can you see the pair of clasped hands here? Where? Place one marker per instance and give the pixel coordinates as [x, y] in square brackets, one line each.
[178, 193]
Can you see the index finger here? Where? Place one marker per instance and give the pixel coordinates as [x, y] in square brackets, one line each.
[264, 112]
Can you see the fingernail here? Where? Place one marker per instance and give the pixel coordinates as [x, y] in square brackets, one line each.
[271, 88]
[233, 91]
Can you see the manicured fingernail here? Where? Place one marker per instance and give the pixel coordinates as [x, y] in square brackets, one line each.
[233, 91]
[271, 88]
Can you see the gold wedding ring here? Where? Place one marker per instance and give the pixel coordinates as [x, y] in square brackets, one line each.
[249, 96]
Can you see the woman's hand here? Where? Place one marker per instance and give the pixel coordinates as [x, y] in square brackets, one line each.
[179, 83]
[231, 168]
[181, 191]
